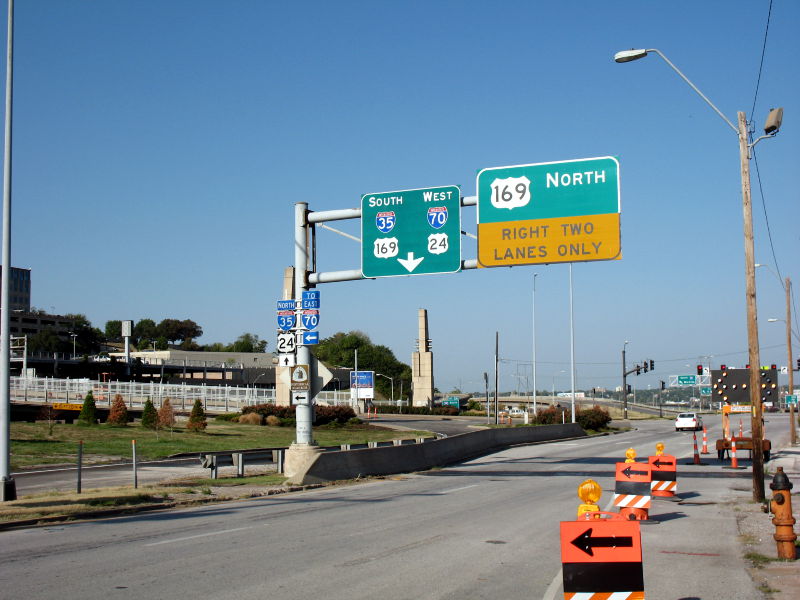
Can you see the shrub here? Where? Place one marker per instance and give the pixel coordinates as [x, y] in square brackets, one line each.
[251, 419]
[197, 418]
[166, 415]
[231, 417]
[595, 418]
[272, 420]
[474, 405]
[286, 414]
[552, 416]
[149, 415]
[88, 414]
[118, 415]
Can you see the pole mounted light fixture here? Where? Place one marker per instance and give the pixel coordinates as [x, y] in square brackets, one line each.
[771, 128]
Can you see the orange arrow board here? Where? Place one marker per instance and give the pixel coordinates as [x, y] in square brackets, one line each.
[601, 541]
[634, 472]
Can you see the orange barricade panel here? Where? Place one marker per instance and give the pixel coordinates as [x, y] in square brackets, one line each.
[633, 472]
[600, 541]
[602, 559]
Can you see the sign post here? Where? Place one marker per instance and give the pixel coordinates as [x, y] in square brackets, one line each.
[549, 213]
[411, 232]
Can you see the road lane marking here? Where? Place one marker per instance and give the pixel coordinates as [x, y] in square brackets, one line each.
[466, 487]
[194, 537]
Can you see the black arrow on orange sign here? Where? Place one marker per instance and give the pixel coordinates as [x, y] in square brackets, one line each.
[587, 543]
[627, 471]
[658, 462]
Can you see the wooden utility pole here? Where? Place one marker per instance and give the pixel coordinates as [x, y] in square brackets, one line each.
[792, 432]
[752, 322]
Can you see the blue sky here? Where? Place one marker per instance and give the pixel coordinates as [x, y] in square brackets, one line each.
[160, 146]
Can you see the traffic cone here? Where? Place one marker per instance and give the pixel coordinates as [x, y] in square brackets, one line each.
[705, 441]
[734, 462]
[696, 454]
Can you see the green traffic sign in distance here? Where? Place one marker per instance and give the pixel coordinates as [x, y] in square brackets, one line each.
[411, 232]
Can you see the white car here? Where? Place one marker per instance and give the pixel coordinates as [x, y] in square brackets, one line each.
[685, 421]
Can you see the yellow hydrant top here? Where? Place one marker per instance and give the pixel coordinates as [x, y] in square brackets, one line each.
[589, 492]
[659, 448]
[630, 455]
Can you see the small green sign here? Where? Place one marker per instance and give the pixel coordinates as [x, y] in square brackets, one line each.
[452, 401]
[687, 379]
[791, 399]
[411, 232]
[705, 391]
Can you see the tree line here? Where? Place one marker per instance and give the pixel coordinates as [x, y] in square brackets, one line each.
[146, 335]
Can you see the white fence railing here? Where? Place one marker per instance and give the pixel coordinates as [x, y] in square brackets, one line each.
[215, 399]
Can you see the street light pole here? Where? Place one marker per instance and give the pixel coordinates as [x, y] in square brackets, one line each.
[533, 310]
[8, 487]
[624, 383]
[571, 345]
[771, 128]
[790, 366]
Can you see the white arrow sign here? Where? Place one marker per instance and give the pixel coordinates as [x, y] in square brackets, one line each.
[410, 263]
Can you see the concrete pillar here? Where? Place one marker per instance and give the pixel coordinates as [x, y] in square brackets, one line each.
[422, 365]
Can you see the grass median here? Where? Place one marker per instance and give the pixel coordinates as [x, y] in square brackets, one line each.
[35, 444]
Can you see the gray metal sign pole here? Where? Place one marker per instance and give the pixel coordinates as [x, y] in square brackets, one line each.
[8, 489]
[304, 412]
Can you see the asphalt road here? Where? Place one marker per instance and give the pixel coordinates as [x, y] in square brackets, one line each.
[487, 528]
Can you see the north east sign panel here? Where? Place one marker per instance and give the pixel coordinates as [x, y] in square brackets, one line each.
[549, 212]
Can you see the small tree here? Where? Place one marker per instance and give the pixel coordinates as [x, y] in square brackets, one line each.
[48, 413]
[118, 416]
[197, 418]
[88, 414]
[149, 415]
[166, 415]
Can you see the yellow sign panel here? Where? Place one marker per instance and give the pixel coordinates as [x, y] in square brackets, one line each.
[65, 406]
[543, 241]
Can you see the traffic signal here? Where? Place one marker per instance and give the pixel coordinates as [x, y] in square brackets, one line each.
[774, 367]
[652, 365]
[725, 367]
[629, 388]
[663, 385]
[699, 369]
[798, 364]
[638, 370]
[644, 366]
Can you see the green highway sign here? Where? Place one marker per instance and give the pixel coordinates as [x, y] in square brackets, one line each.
[687, 379]
[791, 399]
[411, 232]
[705, 391]
[549, 212]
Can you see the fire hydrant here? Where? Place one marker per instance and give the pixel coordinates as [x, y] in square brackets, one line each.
[781, 507]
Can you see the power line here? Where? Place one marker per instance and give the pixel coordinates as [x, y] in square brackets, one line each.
[761, 64]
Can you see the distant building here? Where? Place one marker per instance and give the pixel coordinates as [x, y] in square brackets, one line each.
[28, 323]
[19, 291]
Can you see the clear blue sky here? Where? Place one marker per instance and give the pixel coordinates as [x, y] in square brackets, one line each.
[160, 146]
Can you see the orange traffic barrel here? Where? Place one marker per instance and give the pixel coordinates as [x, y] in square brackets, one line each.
[602, 558]
[632, 490]
[664, 475]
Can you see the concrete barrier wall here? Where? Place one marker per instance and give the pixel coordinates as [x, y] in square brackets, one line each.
[330, 466]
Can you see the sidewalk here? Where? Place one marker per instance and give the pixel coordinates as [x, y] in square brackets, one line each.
[713, 541]
[780, 579]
